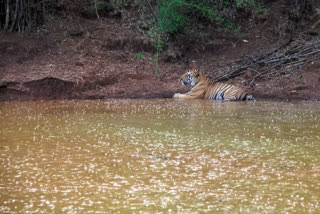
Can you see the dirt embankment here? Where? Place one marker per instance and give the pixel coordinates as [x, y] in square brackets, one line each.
[100, 59]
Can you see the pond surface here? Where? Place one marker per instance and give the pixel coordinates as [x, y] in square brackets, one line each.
[159, 156]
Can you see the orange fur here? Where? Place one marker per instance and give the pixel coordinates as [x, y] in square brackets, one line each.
[204, 88]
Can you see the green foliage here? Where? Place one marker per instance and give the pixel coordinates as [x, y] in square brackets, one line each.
[170, 16]
[139, 55]
[318, 21]
[156, 63]
[174, 16]
[158, 44]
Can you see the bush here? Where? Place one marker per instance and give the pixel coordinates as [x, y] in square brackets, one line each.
[175, 16]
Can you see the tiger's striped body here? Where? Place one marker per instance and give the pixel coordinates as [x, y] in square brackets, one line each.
[204, 88]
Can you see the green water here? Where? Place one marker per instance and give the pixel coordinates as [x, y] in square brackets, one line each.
[159, 156]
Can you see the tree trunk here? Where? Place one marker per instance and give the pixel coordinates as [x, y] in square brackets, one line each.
[15, 16]
[7, 15]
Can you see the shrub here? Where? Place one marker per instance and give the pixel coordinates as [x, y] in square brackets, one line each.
[174, 16]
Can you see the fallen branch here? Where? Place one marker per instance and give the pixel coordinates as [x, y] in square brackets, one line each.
[280, 60]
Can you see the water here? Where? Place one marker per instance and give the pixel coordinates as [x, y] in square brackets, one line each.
[159, 156]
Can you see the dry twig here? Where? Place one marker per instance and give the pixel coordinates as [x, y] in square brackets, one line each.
[280, 60]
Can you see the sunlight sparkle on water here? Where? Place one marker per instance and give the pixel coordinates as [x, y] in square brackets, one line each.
[165, 156]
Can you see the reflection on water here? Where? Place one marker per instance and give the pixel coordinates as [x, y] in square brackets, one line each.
[159, 156]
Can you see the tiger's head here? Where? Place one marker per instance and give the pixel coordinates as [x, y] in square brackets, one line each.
[190, 77]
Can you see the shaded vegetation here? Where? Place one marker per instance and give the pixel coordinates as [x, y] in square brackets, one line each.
[176, 16]
[163, 20]
[22, 15]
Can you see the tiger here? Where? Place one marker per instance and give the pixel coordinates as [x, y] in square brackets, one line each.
[204, 88]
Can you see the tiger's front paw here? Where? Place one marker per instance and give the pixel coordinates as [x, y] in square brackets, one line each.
[177, 95]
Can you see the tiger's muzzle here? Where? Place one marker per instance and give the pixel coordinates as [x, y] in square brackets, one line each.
[185, 82]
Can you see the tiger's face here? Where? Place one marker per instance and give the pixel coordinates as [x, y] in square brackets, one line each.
[189, 78]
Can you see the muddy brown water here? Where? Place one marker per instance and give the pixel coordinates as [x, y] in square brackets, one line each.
[159, 156]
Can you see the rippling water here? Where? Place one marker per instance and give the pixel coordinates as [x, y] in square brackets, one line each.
[159, 156]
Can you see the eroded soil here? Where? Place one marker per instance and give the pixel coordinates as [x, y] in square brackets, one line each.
[101, 59]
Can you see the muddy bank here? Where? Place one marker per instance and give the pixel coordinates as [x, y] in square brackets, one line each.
[105, 60]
